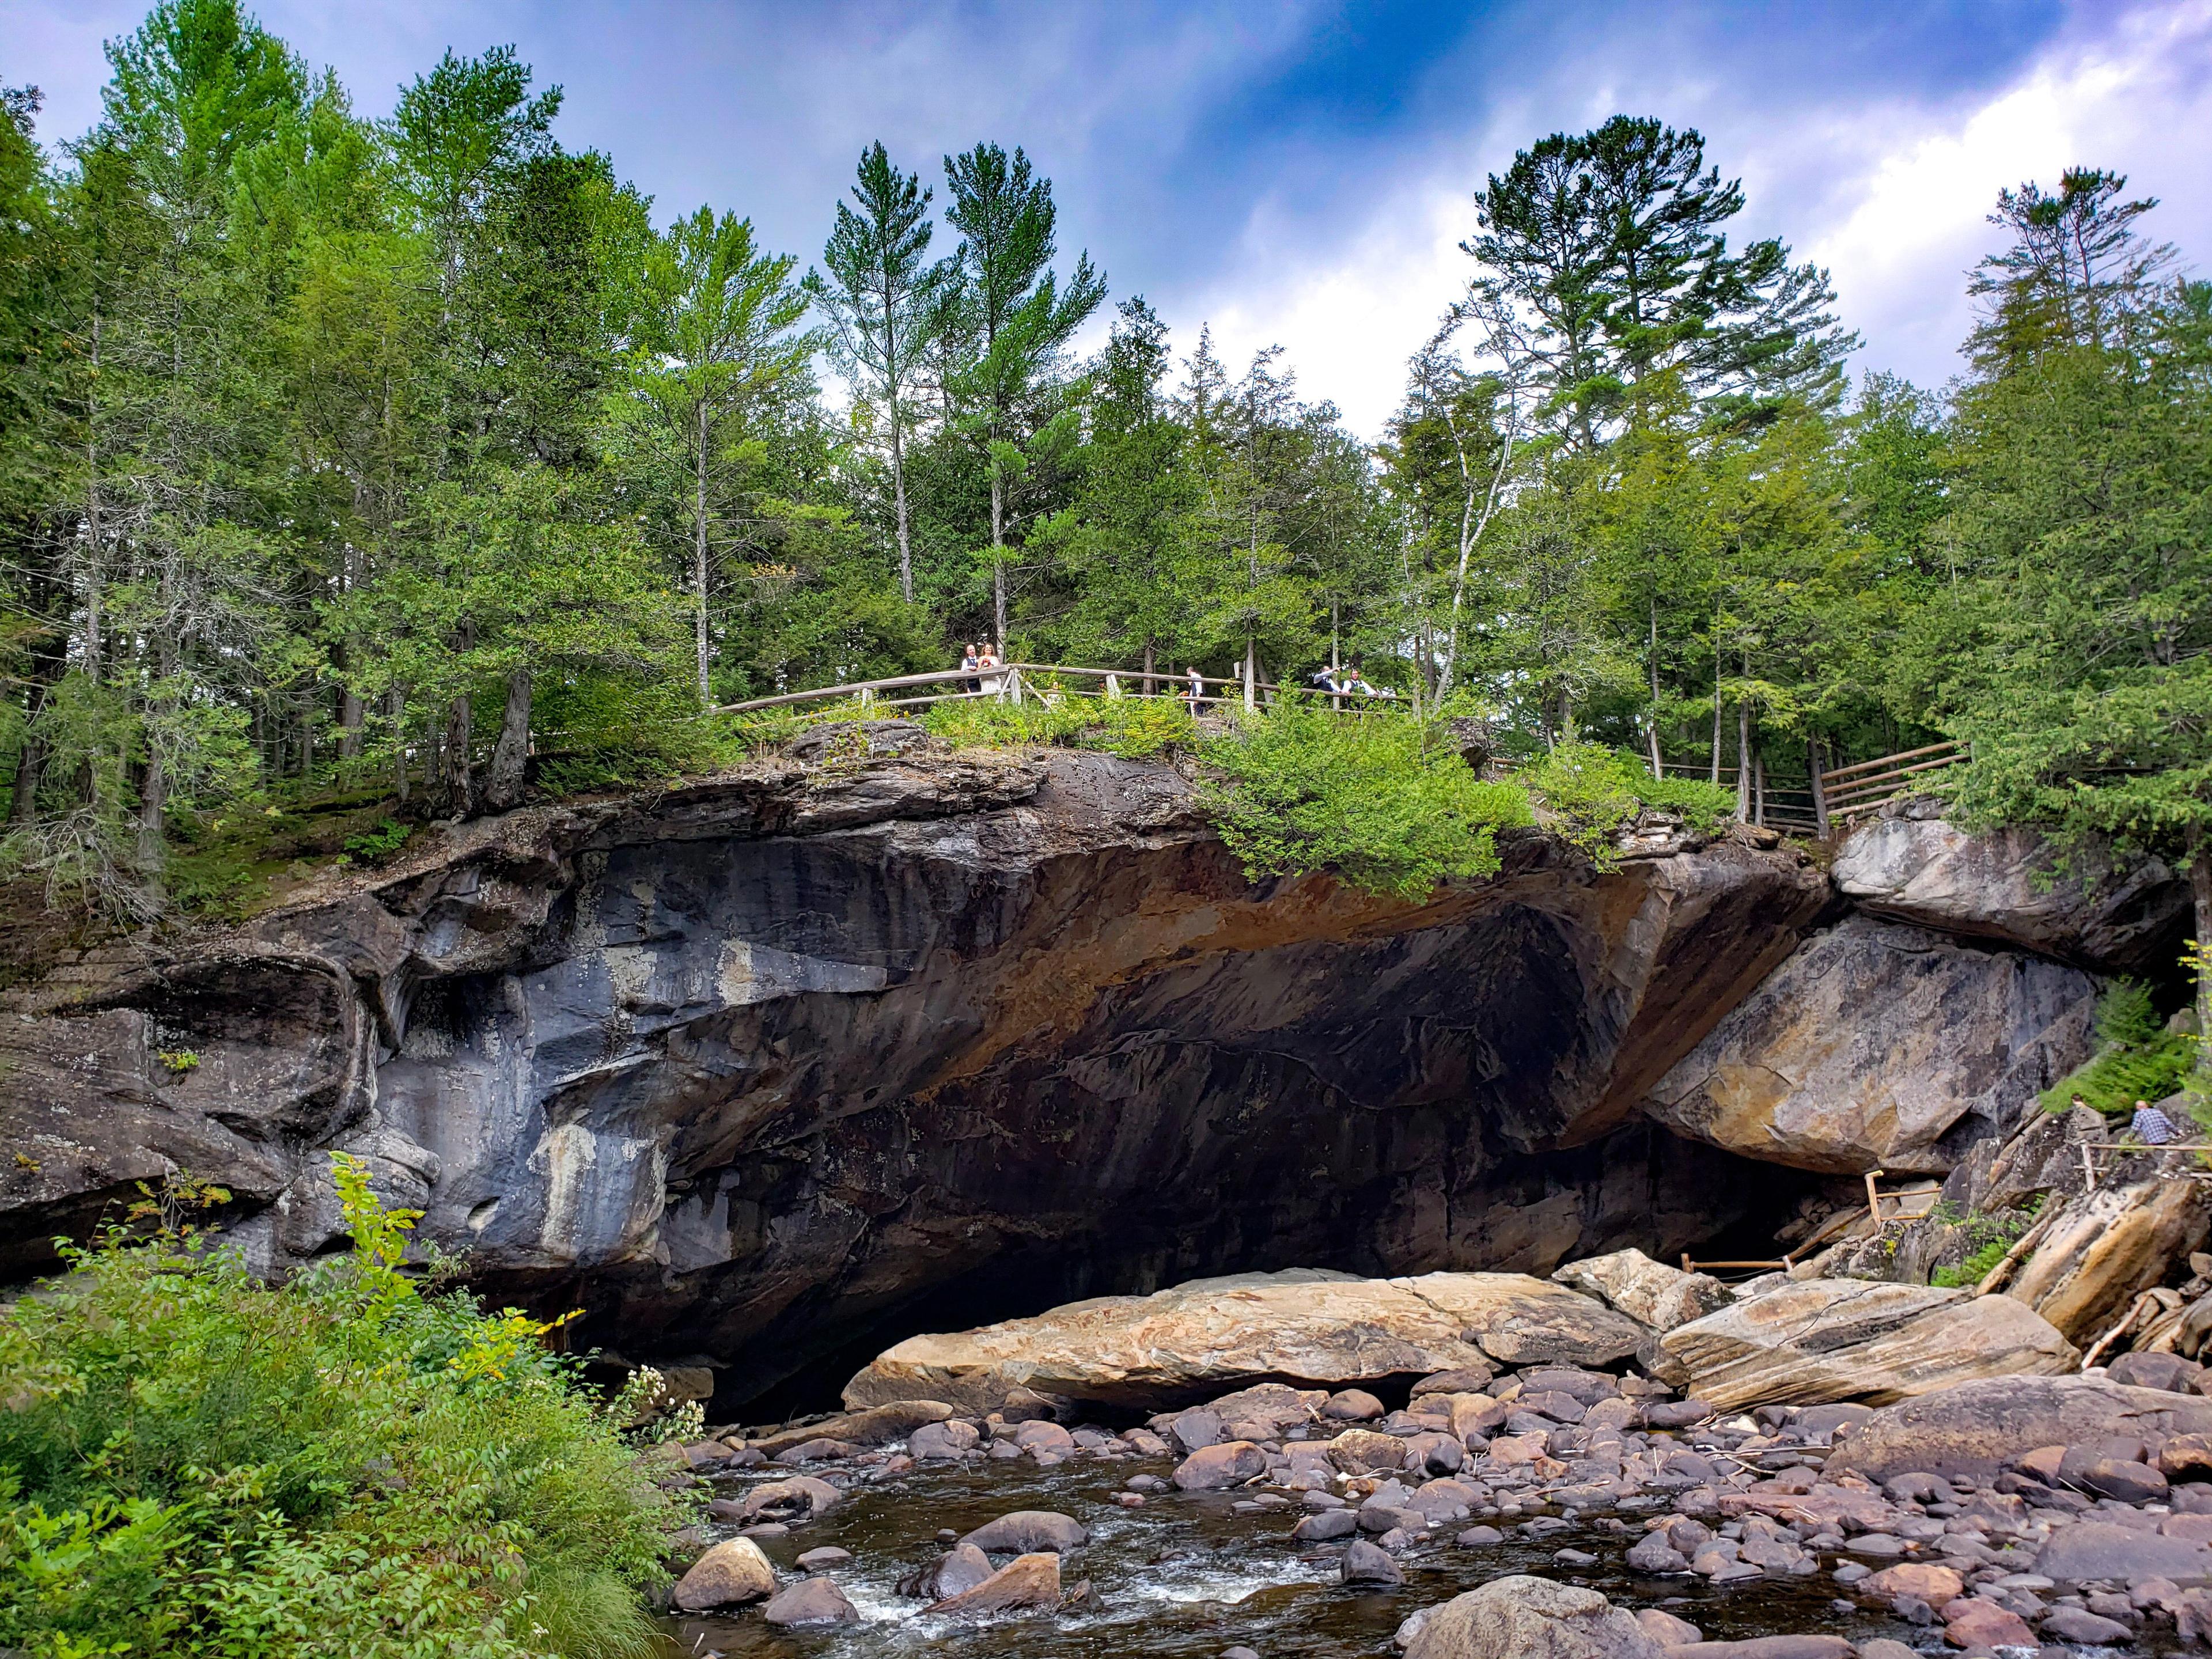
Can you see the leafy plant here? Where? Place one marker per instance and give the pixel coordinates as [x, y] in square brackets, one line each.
[1596, 792]
[1989, 1236]
[376, 845]
[345, 1464]
[2126, 1015]
[1298, 789]
[179, 1061]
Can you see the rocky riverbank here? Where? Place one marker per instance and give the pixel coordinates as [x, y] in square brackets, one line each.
[2009, 1512]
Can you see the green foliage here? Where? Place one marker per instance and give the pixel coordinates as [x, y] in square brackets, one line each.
[1137, 728]
[1298, 789]
[2126, 1016]
[201, 1464]
[1988, 1237]
[376, 845]
[179, 1061]
[2120, 1076]
[1595, 792]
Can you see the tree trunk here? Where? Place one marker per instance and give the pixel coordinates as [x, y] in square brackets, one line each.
[351, 713]
[1819, 795]
[698, 571]
[999, 559]
[510, 756]
[1743, 758]
[1251, 675]
[398, 705]
[153, 798]
[2200, 886]
[1148, 668]
[1658, 766]
[460, 791]
[898, 496]
[1717, 714]
[1335, 660]
[1759, 801]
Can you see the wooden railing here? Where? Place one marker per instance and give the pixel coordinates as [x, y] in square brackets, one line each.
[1850, 791]
[1018, 682]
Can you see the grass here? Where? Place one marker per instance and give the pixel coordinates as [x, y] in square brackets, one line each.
[197, 1465]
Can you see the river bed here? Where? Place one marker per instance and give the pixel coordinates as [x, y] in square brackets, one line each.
[1186, 1575]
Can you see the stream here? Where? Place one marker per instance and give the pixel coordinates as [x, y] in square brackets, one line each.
[1186, 1575]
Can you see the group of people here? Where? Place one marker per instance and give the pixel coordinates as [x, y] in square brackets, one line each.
[1348, 683]
[980, 659]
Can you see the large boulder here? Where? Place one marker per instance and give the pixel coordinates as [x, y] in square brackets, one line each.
[1650, 1293]
[1026, 1583]
[1820, 1341]
[879, 1425]
[732, 1572]
[2116, 916]
[1974, 1430]
[2105, 1247]
[1521, 1617]
[1189, 1342]
[1877, 1045]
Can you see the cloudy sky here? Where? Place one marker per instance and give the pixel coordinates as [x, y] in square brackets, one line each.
[1301, 173]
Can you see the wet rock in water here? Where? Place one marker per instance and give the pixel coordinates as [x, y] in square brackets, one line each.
[2079, 1625]
[2090, 1550]
[1972, 1622]
[1027, 1531]
[1039, 1436]
[1654, 1554]
[1369, 1564]
[822, 1559]
[818, 1450]
[802, 1497]
[1977, 1429]
[1523, 1617]
[1882, 1647]
[1437, 1452]
[814, 1601]
[1213, 1469]
[1028, 1582]
[942, 1440]
[732, 1572]
[1196, 1429]
[1479, 1537]
[1325, 1526]
[1924, 1581]
[1238, 1653]
[879, 1425]
[1650, 1293]
[1820, 1340]
[1146, 1443]
[1766, 1647]
[958, 1570]
[1363, 1452]
[1352, 1406]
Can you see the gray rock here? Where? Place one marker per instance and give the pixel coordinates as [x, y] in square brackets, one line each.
[2079, 1625]
[942, 1440]
[1329, 1523]
[2168, 1372]
[1479, 1537]
[1027, 1582]
[1196, 1429]
[2113, 915]
[811, 1601]
[1521, 1617]
[1027, 1531]
[825, 1557]
[2090, 1550]
[1978, 1430]
[963, 1567]
[1211, 1468]
[1650, 1293]
[734, 1571]
[1654, 1554]
[1366, 1563]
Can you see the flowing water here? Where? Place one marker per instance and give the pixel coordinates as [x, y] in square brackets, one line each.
[1185, 1576]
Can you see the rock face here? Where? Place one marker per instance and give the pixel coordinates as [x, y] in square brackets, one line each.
[1827, 1339]
[1978, 1429]
[2104, 1247]
[1199, 1339]
[1650, 1293]
[1880, 1046]
[910, 1040]
[2010, 884]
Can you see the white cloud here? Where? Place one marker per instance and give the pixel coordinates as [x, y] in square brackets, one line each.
[1891, 196]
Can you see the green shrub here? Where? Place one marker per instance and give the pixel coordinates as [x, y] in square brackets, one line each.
[1987, 1236]
[2126, 1016]
[193, 1462]
[1597, 792]
[373, 847]
[1139, 728]
[1297, 788]
[2120, 1076]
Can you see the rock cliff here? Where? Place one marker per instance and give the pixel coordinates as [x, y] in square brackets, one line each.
[766, 1065]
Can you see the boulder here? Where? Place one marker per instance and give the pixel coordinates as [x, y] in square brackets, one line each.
[1971, 1622]
[879, 1425]
[1650, 1293]
[801, 1497]
[1978, 1430]
[1273, 1406]
[1924, 1581]
[1364, 1451]
[732, 1572]
[941, 1440]
[2105, 1247]
[1211, 1468]
[1369, 1564]
[2111, 915]
[1460, 1379]
[1521, 1617]
[961, 1569]
[1352, 1406]
[2168, 1371]
[1027, 1532]
[1820, 1340]
[811, 1602]
[2090, 1550]
[1307, 1324]
[1026, 1581]
[1871, 1044]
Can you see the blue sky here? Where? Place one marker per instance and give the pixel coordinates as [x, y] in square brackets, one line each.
[1301, 173]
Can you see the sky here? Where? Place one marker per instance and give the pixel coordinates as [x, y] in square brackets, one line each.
[1302, 175]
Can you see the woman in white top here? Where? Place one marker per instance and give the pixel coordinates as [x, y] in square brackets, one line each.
[987, 659]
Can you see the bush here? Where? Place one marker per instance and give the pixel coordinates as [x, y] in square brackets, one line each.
[1988, 1238]
[1138, 728]
[1597, 793]
[2126, 1016]
[195, 1463]
[2121, 1075]
[1298, 789]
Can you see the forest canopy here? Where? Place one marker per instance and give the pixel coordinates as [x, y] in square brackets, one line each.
[419, 463]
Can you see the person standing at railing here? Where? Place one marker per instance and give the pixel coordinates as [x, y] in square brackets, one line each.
[987, 659]
[968, 663]
[1194, 693]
